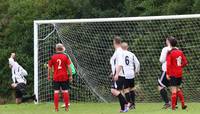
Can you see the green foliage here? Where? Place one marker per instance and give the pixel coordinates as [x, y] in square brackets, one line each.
[17, 16]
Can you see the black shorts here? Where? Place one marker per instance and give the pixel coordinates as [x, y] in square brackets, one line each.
[57, 85]
[162, 81]
[175, 81]
[119, 84]
[20, 90]
[129, 83]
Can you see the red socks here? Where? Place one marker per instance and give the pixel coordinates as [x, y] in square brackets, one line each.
[173, 100]
[181, 97]
[66, 99]
[56, 100]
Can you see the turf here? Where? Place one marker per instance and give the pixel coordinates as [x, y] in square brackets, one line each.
[95, 108]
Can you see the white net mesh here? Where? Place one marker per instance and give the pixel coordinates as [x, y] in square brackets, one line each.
[89, 45]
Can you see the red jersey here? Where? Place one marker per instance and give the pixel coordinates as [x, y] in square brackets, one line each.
[176, 60]
[59, 62]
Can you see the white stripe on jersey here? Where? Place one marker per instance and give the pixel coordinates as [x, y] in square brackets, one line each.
[131, 66]
[117, 59]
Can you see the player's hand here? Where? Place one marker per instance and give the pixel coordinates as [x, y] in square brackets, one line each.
[168, 77]
[12, 55]
[70, 79]
[115, 78]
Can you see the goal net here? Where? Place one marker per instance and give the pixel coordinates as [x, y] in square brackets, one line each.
[88, 43]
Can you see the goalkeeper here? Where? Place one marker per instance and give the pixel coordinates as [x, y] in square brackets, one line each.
[19, 80]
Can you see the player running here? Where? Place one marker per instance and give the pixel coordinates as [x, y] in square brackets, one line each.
[163, 83]
[61, 65]
[131, 68]
[19, 80]
[117, 63]
[176, 61]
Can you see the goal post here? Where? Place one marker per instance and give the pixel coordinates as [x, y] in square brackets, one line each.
[88, 43]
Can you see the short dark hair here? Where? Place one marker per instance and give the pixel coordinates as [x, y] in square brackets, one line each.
[172, 40]
[117, 40]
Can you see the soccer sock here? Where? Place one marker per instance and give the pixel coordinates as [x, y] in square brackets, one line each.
[127, 95]
[164, 96]
[181, 97]
[132, 96]
[122, 101]
[66, 99]
[56, 100]
[173, 100]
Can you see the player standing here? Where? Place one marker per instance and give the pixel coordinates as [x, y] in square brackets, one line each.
[117, 63]
[176, 60]
[61, 65]
[163, 83]
[19, 80]
[131, 68]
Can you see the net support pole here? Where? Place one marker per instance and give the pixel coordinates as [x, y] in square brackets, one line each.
[36, 61]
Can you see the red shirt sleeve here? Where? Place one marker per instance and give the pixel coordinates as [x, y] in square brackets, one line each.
[68, 61]
[168, 64]
[184, 61]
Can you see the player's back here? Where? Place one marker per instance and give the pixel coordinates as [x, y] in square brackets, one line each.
[60, 62]
[177, 61]
[129, 67]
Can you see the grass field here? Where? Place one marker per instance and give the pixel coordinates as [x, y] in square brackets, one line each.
[95, 108]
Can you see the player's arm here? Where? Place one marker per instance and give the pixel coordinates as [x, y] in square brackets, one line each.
[163, 55]
[137, 64]
[184, 61]
[70, 72]
[69, 68]
[168, 67]
[119, 65]
[49, 68]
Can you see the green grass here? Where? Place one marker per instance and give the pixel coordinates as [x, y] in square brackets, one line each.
[95, 108]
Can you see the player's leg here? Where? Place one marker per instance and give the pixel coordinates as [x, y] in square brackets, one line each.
[132, 93]
[18, 94]
[129, 92]
[115, 90]
[173, 83]
[56, 86]
[65, 92]
[21, 88]
[163, 83]
[180, 93]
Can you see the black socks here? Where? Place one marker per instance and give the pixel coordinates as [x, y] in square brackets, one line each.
[122, 101]
[132, 96]
[164, 96]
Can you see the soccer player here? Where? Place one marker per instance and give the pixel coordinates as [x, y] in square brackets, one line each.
[117, 63]
[19, 80]
[176, 61]
[163, 83]
[131, 68]
[61, 64]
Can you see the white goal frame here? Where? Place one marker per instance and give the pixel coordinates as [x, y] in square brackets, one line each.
[39, 22]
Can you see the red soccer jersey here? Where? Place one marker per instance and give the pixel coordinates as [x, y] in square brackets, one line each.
[176, 60]
[59, 62]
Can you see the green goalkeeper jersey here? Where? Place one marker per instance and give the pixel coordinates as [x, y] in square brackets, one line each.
[71, 65]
